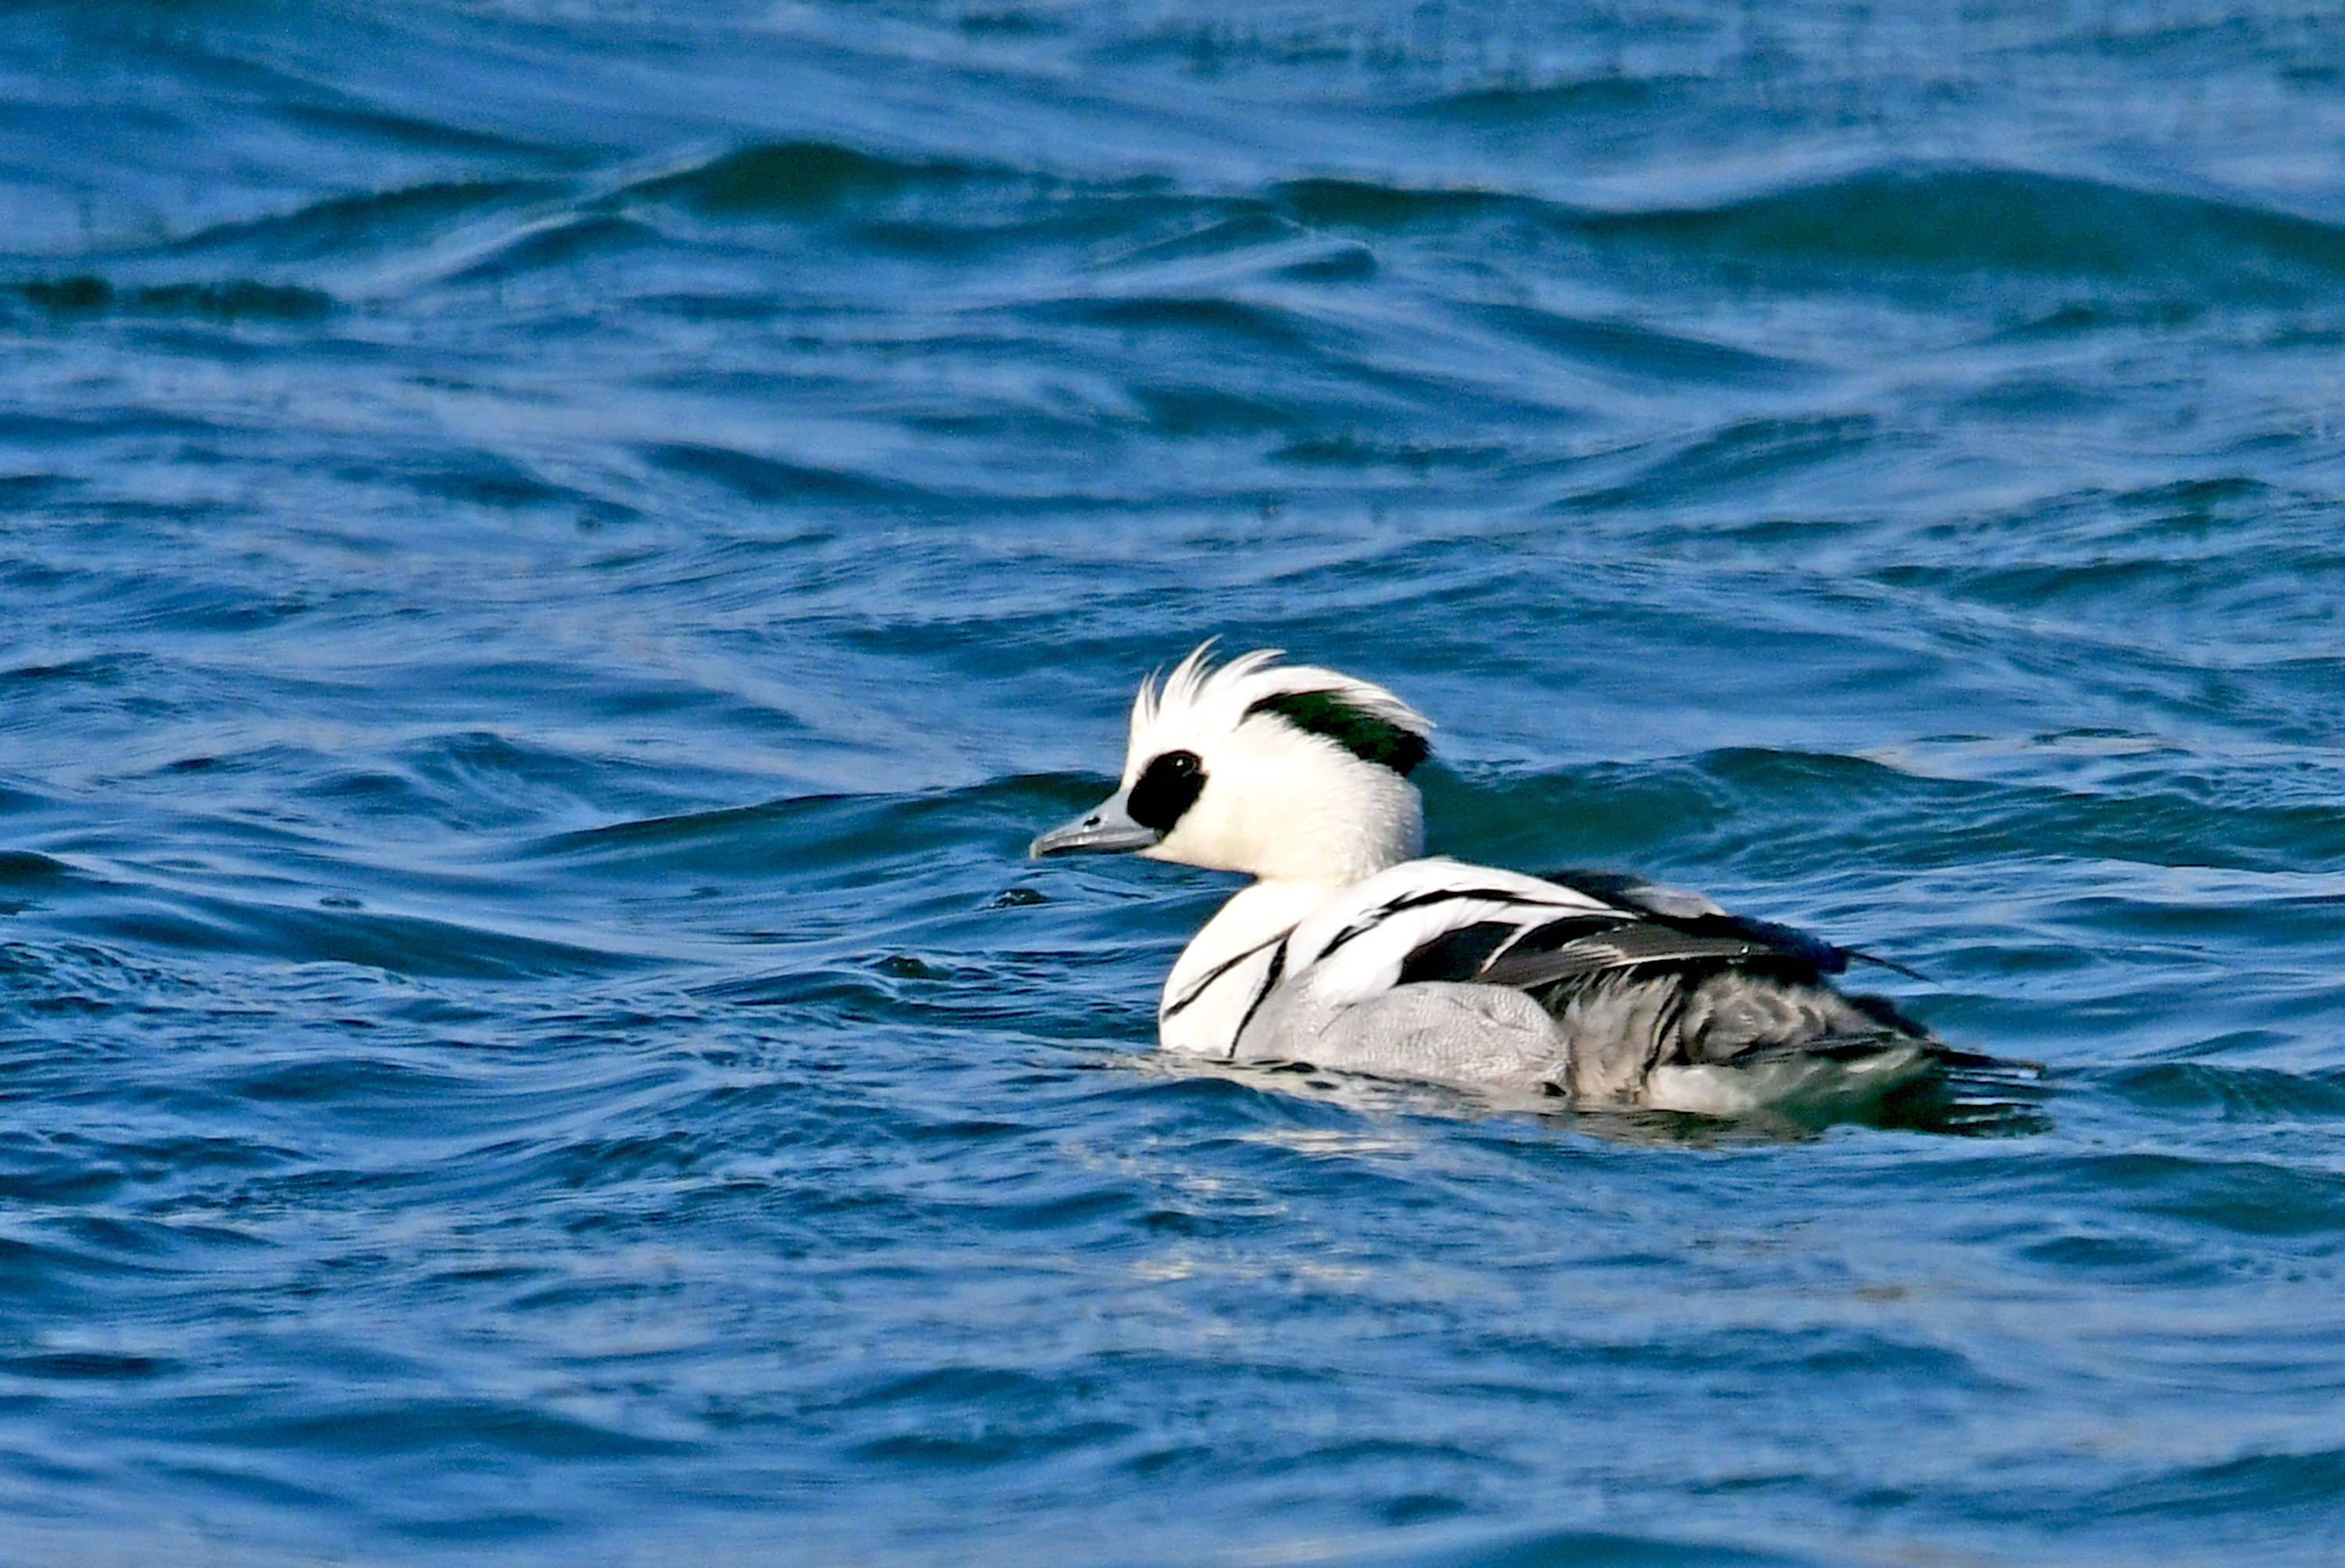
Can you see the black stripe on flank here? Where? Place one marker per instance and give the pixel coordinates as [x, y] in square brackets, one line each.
[1356, 729]
[1218, 970]
[1269, 984]
[1384, 912]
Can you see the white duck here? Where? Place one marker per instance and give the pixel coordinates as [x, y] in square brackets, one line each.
[1350, 953]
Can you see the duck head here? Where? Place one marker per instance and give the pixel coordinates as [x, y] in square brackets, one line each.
[1288, 773]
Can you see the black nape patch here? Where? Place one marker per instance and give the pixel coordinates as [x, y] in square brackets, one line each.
[1165, 788]
[1356, 730]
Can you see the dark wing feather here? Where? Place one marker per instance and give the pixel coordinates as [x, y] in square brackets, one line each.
[1618, 889]
[1696, 916]
[1623, 946]
[1729, 987]
[1531, 946]
[1459, 954]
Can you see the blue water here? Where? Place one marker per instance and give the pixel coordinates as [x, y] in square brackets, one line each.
[555, 555]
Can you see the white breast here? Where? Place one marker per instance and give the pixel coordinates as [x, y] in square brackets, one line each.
[1229, 966]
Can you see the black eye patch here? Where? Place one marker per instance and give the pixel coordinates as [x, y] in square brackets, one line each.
[1166, 788]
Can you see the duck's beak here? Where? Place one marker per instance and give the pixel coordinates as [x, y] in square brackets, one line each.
[1106, 830]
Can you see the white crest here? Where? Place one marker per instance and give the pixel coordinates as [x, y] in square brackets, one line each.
[1201, 701]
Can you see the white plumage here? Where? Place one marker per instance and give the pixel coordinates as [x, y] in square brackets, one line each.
[1351, 953]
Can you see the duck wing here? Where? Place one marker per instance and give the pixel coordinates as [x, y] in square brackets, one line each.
[1505, 935]
[1637, 976]
[1650, 996]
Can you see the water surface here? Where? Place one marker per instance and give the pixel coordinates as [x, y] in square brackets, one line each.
[555, 555]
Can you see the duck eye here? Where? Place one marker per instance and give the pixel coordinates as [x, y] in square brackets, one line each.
[1165, 788]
